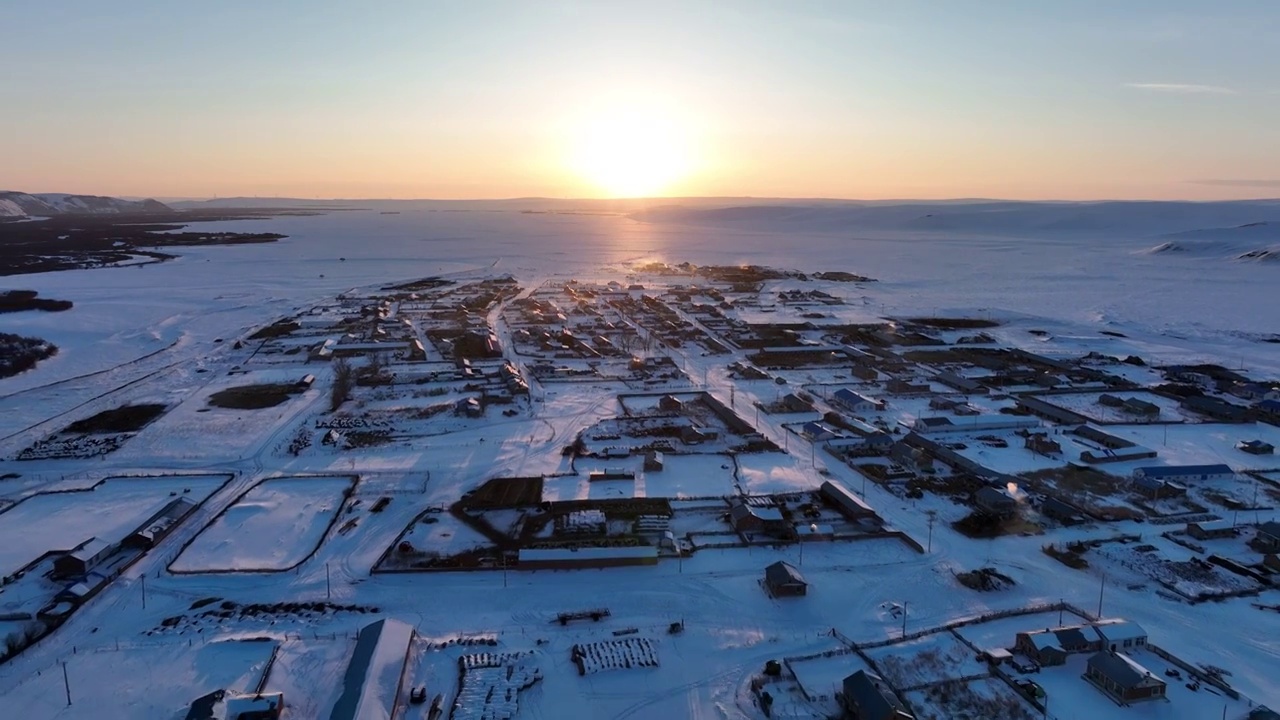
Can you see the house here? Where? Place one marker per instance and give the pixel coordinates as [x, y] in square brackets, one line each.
[751, 519]
[855, 402]
[817, 431]
[1268, 407]
[1211, 529]
[226, 705]
[1064, 513]
[671, 404]
[1121, 635]
[1268, 537]
[1051, 646]
[469, 407]
[1122, 678]
[783, 579]
[868, 697]
[1041, 444]
[793, 403]
[996, 501]
[1185, 473]
[932, 424]
[85, 557]
[653, 461]
[959, 382]
[1156, 488]
[1256, 447]
[906, 387]
[374, 674]
[1214, 408]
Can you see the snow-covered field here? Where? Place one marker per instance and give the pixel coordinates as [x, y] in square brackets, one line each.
[190, 312]
[275, 526]
[77, 511]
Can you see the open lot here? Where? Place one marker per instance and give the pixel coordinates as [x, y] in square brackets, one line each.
[109, 510]
[274, 526]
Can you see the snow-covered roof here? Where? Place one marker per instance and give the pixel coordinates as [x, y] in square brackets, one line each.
[1120, 630]
[373, 675]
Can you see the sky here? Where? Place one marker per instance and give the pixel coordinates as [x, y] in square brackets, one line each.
[1019, 99]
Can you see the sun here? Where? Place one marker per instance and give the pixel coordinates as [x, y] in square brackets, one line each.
[632, 150]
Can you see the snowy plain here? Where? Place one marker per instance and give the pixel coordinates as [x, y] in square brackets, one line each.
[155, 324]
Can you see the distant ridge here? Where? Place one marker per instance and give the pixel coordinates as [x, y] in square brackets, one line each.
[21, 205]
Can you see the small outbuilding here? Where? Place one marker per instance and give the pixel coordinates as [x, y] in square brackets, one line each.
[782, 578]
[868, 697]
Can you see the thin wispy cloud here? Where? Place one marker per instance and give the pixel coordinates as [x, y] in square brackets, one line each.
[1239, 182]
[1182, 88]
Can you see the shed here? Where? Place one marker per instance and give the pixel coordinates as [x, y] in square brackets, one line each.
[749, 518]
[782, 578]
[868, 697]
[995, 500]
[1185, 473]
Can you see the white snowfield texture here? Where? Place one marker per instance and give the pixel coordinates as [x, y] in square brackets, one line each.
[1082, 278]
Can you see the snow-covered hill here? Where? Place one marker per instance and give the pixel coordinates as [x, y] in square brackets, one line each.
[19, 204]
[1257, 241]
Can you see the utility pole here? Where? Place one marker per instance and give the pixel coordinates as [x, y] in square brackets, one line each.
[1061, 604]
[328, 589]
[932, 515]
[144, 591]
[904, 618]
[1101, 587]
[66, 682]
[504, 568]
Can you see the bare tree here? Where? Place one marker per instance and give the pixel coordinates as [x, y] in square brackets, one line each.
[344, 378]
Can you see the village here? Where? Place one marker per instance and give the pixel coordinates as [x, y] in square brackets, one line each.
[309, 499]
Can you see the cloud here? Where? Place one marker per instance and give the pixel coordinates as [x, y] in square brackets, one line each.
[1182, 89]
[1239, 182]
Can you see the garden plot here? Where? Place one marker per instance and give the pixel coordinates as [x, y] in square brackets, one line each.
[934, 658]
[1193, 578]
[602, 655]
[1087, 404]
[274, 526]
[685, 476]
[110, 510]
[822, 676]
[491, 684]
[981, 698]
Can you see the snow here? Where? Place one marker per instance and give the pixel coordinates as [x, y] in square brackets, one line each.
[1071, 287]
[275, 526]
[61, 520]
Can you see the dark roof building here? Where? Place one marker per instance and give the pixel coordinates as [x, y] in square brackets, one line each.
[783, 579]
[1122, 678]
[1256, 447]
[88, 555]
[868, 697]
[749, 518]
[1268, 537]
[1184, 473]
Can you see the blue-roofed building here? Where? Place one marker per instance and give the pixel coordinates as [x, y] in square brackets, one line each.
[1184, 473]
[855, 402]
[817, 431]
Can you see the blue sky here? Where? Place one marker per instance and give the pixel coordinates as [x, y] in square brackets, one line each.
[489, 99]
